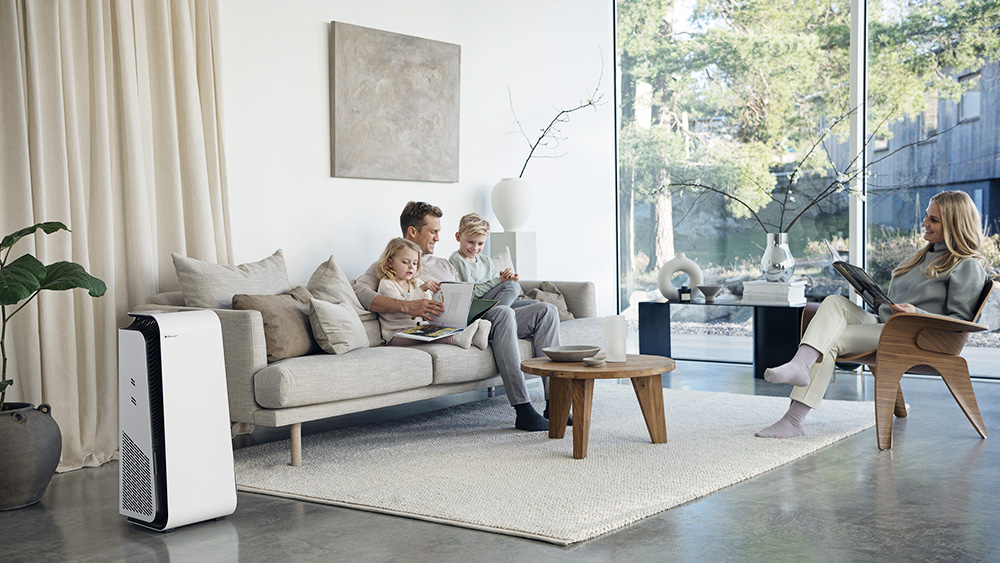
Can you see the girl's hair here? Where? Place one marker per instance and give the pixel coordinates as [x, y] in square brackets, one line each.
[395, 245]
[963, 236]
[473, 225]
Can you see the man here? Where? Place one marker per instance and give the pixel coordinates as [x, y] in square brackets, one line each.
[421, 223]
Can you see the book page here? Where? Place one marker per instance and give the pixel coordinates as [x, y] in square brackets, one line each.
[456, 298]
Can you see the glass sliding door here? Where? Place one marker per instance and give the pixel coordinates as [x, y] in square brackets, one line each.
[733, 122]
[934, 95]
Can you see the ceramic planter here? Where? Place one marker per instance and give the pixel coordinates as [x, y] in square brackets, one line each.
[30, 445]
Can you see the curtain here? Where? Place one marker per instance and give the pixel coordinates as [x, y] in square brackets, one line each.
[110, 121]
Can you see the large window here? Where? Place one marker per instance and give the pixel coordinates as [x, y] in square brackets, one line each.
[735, 121]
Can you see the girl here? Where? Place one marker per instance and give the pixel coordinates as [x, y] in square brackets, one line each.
[399, 273]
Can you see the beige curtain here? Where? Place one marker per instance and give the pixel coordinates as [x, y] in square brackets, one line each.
[110, 121]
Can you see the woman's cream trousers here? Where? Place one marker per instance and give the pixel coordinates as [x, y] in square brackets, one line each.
[840, 328]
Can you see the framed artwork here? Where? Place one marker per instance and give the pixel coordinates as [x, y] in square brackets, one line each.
[394, 110]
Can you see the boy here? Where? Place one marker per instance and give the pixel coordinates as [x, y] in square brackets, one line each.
[474, 267]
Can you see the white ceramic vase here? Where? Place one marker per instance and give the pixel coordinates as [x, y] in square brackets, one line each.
[512, 200]
[679, 263]
[615, 333]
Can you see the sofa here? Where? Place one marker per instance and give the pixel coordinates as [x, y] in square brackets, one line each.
[267, 390]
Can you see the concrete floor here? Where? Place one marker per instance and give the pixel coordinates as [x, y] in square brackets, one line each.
[933, 497]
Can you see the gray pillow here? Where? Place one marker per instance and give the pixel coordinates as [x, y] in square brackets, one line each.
[204, 284]
[287, 331]
[336, 327]
[329, 283]
[547, 292]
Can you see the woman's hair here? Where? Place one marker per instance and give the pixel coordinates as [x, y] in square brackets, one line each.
[395, 245]
[963, 235]
[473, 225]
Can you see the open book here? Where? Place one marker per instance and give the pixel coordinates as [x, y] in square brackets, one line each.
[870, 291]
[460, 309]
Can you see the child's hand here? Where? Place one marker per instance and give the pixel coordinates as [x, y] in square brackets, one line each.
[508, 275]
[431, 286]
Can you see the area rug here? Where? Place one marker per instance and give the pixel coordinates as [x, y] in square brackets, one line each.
[466, 465]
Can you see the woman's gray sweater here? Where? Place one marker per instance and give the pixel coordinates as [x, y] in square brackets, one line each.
[954, 293]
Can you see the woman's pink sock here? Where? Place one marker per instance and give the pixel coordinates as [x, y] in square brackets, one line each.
[796, 371]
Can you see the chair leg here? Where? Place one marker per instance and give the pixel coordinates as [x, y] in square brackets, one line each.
[886, 390]
[958, 382]
[296, 436]
[900, 409]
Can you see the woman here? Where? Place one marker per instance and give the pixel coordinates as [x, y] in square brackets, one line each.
[944, 278]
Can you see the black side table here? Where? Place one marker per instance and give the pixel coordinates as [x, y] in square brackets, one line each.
[775, 331]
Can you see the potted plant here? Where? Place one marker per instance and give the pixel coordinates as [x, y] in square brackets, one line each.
[30, 441]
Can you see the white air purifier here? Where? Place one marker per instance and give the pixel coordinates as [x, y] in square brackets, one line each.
[173, 414]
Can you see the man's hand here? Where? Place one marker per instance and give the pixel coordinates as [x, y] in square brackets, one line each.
[509, 275]
[425, 308]
[903, 308]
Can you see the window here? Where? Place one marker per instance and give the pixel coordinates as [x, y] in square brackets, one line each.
[929, 118]
[968, 107]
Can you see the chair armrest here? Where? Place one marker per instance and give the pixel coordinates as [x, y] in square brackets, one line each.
[245, 354]
[933, 333]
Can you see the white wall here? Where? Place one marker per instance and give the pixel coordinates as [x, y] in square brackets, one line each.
[275, 57]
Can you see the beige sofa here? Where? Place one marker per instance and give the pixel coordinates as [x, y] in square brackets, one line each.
[294, 390]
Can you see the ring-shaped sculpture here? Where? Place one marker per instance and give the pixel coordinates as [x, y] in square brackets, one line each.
[679, 263]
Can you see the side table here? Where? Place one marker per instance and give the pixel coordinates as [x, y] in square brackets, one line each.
[775, 330]
[574, 382]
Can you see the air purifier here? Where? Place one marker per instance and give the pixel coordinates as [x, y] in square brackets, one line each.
[173, 414]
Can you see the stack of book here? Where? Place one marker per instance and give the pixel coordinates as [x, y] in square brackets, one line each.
[760, 292]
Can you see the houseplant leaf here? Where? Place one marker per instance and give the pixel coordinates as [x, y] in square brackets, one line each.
[61, 276]
[49, 227]
[20, 278]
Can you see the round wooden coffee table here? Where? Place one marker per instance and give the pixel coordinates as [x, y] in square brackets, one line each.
[574, 382]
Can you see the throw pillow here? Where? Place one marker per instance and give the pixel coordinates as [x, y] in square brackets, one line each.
[204, 284]
[336, 326]
[547, 292]
[329, 283]
[287, 331]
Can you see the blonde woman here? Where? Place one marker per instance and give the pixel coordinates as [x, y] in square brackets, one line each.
[945, 277]
[399, 272]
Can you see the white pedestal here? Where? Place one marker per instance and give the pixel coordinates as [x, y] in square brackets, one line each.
[522, 251]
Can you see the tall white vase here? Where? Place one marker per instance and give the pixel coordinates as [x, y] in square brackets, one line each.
[512, 200]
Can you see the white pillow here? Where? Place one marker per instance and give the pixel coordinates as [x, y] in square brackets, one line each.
[329, 283]
[336, 327]
[204, 284]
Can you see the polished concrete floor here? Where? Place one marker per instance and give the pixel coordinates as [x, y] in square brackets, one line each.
[934, 497]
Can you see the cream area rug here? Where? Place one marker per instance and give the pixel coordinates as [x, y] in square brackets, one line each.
[467, 466]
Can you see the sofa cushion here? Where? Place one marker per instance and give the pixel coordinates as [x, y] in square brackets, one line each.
[329, 283]
[209, 285]
[453, 364]
[287, 333]
[336, 327]
[310, 380]
[547, 292]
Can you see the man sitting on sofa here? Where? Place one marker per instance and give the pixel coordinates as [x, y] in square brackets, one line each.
[421, 223]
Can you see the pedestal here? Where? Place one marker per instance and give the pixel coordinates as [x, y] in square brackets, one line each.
[522, 246]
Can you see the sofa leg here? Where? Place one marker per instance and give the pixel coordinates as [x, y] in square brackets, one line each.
[491, 391]
[296, 431]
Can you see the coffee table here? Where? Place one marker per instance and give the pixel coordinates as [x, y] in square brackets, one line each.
[574, 382]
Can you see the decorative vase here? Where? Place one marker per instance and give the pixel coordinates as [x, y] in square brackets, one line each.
[679, 263]
[30, 445]
[512, 200]
[777, 264]
[615, 332]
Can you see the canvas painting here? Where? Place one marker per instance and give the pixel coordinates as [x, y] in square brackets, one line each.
[395, 105]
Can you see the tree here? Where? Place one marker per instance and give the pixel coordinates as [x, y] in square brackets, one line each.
[743, 91]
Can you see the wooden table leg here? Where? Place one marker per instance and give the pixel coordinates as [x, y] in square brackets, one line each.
[560, 396]
[583, 398]
[649, 391]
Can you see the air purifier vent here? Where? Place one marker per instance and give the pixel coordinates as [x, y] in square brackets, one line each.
[137, 489]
